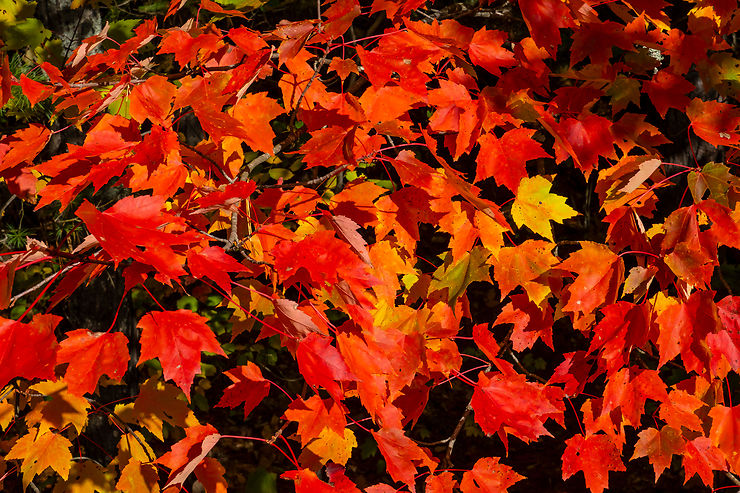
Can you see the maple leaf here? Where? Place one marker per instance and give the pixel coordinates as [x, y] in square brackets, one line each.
[135, 222]
[600, 273]
[22, 146]
[522, 266]
[534, 206]
[59, 408]
[486, 50]
[584, 139]
[86, 476]
[210, 473]
[177, 339]
[90, 355]
[402, 455]
[294, 322]
[668, 90]
[544, 19]
[679, 410]
[15, 337]
[457, 277]
[249, 388]
[137, 477]
[505, 158]
[214, 263]
[39, 451]
[625, 326]
[725, 432]
[332, 446]
[152, 100]
[509, 404]
[157, 403]
[488, 476]
[324, 258]
[134, 446]
[314, 415]
[322, 365]
[715, 122]
[531, 322]
[683, 329]
[625, 395]
[595, 455]
[188, 453]
[255, 112]
[33, 90]
[441, 483]
[659, 446]
[306, 481]
[702, 458]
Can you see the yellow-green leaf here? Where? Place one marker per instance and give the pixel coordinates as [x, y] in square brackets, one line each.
[534, 206]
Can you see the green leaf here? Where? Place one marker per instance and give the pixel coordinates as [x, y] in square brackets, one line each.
[458, 276]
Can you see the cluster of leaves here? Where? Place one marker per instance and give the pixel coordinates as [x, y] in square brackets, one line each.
[303, 192]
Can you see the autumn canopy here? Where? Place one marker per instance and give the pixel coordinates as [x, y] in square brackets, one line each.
[417, 237]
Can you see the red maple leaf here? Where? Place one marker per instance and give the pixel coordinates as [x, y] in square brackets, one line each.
[488, 476]
[132, 228]
[595, 455]
[505, 158]
[322, 365]
[177, 339]
[16, 360]
[90, 355]
[249, 388]
[214, 263]
[402, 455]
[509, 404]
[188, 453]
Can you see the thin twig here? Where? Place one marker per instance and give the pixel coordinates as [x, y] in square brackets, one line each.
[40, 284]
[7, 203]
[732, 478]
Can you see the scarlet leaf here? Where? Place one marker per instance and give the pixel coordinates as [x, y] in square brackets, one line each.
[136, 222]
[322, 365]
[16, 337]
[725, 432]
[505, 158]
[595, 455]
[188, 453]
[600, 272]
[659, 446]
[214, 263]
[177, 339]
[509, 404]
[315, 414]
[249, 387]
[489, 476]
[90, 355]
[152, 100]
[487, 51]
[402, 455]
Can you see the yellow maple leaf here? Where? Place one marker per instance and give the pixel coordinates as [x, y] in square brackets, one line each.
[85, 477]
[137, 477]
[534, 206]
[331, 446]
[7, 412]
[134, 446]
[158, 403]
[39, 451]
[61, 409]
